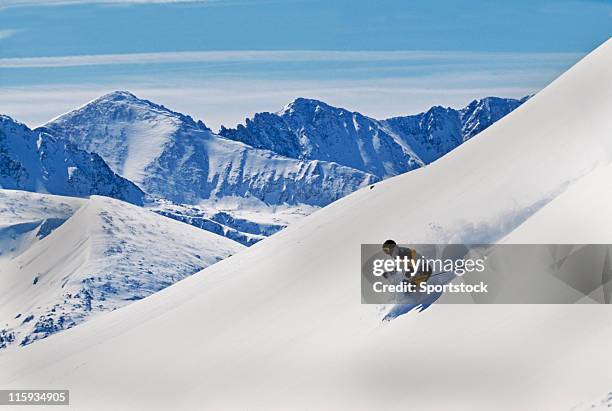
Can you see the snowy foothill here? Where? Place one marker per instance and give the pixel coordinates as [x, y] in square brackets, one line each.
[71, 259]
[280, 325]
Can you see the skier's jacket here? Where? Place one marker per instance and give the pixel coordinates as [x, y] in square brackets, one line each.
[423, 273]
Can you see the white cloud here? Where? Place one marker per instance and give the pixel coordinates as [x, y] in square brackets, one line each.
[272, 56]
[7, 33]
[31, 3]
[15, 3]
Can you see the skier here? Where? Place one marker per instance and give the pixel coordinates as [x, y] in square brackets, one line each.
[391, 249]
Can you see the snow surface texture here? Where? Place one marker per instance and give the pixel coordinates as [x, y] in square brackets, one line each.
[582, 208]
[171, 156]
[292, 334]
[74, 258]
[312, 129]
[603, 404]
[35, 161]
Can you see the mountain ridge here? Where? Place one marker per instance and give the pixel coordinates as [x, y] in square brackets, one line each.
[312, 129]
[33, 160]
[171, 156]
[309, 152]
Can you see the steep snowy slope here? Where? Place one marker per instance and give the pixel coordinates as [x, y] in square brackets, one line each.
[35, 161]
[577, 216]
[171, 156]
[292, 332]
[129, 133]
[312, 129]
[101, 255]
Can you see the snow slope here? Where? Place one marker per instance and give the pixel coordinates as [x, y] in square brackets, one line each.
[127, 132]
[100, 254]
[171, 156]
[579, 215]
[292, 333]
[602, 404]
[35, 161]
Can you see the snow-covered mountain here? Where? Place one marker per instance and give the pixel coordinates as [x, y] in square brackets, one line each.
[292, 333]
[67, 259]
[171, 156]
[308, 153]
[440, 130]
[312, 129]
[35, 161]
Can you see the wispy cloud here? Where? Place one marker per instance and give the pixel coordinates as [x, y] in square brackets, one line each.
[7, 33]
[268, 56]
[15, 3]
[31, 3]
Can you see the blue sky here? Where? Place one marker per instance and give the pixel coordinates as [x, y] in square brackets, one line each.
[221, 60]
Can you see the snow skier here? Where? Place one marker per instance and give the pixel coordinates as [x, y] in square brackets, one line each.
[391, 249]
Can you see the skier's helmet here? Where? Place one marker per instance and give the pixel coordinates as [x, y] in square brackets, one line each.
[388, 246]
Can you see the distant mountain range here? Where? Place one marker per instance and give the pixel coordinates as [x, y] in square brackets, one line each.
[313, 130]
[169, 155]
[307, 154]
